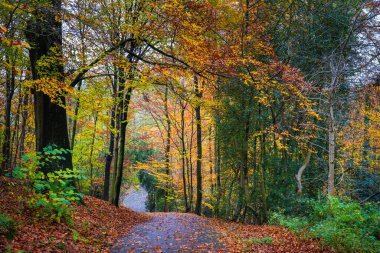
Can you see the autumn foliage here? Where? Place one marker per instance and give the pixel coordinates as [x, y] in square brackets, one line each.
[232, 109]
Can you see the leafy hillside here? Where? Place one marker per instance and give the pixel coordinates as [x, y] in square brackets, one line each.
[93, 227]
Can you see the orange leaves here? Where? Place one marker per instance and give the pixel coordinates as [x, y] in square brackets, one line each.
[52, 87]
[95, 225]
[8, 42]
[3, 29]
[253, 238]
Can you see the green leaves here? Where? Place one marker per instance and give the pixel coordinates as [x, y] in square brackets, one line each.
[54, 191]
[255, 240]
[343, 224]
[7, 227]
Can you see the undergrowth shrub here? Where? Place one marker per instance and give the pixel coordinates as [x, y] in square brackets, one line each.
[7, 227]
[343, 224]
[52, 193]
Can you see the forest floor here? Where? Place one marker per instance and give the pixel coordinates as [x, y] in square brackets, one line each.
[179, 232]
[171, 232]
[97, 226]
[94, 226]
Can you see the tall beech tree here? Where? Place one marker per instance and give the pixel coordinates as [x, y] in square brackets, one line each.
[44, 34]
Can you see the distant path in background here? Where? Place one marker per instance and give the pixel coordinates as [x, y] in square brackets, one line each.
[136, 199]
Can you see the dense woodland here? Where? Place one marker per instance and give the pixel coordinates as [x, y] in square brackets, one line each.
[254, 111]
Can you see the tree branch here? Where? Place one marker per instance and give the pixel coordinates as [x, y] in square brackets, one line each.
[84, 70]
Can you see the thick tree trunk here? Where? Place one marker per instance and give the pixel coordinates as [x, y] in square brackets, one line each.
[44, 33]
[198, 93]
[123, 129]
[113, 124]
[125, 95]
[118, 108]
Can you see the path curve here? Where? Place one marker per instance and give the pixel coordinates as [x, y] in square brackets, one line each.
[171, 232]
[135, 199]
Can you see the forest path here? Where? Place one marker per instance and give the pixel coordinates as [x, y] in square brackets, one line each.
[171, 232]
[135, 199]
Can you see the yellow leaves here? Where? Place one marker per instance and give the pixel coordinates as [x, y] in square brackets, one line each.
[50, 65]
[52, 87]
[25, 44]
[11, 42]
[14, 43]
[3, 29]
[280, 145]
[314, 114]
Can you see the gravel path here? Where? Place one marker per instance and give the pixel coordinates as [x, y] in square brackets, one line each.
[135, 199]
[171, 232]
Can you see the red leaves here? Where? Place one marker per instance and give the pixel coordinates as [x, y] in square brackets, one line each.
[246, 238]
[157, 249]
[95, 225]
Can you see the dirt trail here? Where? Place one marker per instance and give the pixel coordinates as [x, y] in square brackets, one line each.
[136, 199]
[171, 232]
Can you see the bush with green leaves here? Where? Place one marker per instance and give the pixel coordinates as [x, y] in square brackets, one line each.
[7, 227]
[343, 224]
[54, 191]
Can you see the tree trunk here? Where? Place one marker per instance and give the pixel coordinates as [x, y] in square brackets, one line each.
[24, 116]
[183, 158]
[366, 135]
[44, 33]
[107, 169]
[76, 111]
[198, 93]
[330, 186]
[217, 170]
[116, 150]
[6, 147]
[167, 150]
[189, 161]
[243, 168]
[300, 172]
[16, 135]
[119, 98]
[210, 161]
[120, 161]
[91, 153]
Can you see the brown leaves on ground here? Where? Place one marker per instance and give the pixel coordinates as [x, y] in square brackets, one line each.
[172, 232]
[95, 226]
[249, 238]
